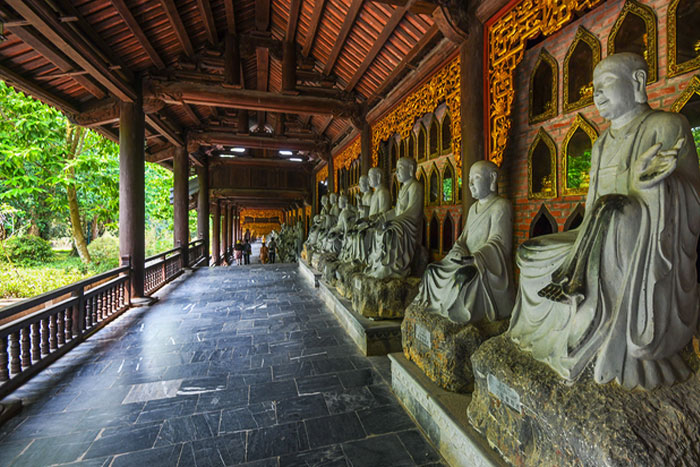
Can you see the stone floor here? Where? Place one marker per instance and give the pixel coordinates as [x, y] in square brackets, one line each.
[234, 365]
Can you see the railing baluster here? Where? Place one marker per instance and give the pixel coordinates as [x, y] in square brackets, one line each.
[88, 313]
[61, 328]
[36, 343]
[70, 314]
[52, 332]
[4, 361]
[45, 336]
[26, 357]
[15, 362]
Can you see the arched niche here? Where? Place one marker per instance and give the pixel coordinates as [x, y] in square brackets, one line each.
[448, 233]
[635, 31]
[448, 184]
[683, 36]
[412, 145]
[688, 103]
[575, 218]
[433, 138]
[581, 58]
[446, 134]
[577, 147]
[434, 242]
[423, 180]
[422, 142]
[402, 148]
[543, 223]
[434, 186]
[541, 165]
[394, 190]
[544, 89]
[394, 154]
[424, 237]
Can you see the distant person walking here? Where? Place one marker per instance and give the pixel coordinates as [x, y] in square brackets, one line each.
[271, 248]
[238, 248]
[247, 250]
[264, 251]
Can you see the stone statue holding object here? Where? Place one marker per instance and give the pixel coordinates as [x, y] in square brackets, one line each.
[475, 280]
[398, 231]
[364, 197]
[621, 290]
[318, 224]
[345, 220]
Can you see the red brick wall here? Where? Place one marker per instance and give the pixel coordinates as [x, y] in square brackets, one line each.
[661, 94]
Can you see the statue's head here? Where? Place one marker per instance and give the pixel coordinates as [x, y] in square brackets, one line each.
[324, 200]
[364, 183]
[483, 179]
[333, 198]
[405, 169]
[619, 84]
[343, 201]
[375, 177]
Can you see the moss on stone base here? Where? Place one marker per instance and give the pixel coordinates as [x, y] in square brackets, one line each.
[446, 361]
[583, 423]
[382, 298]
[344, 274]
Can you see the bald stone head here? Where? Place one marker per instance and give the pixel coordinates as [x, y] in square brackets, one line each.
[619, 84]
[483, 179]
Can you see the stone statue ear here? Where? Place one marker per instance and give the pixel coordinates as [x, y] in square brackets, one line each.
[494, 179]
[639, 78]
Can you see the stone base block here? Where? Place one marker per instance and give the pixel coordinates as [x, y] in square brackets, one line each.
[309, 273]
[327, 266]
[442, 416]
[442, 348]
[383, 298]
[533, 417]
[372, 337]
[344, 275]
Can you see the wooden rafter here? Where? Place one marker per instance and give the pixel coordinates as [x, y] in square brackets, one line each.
[348, 23]
[326, 125]
[73, 45]
[311, 33]
[208, 19]
[262, 15]
[136, 30]
[176, 22]
[33, 39]
[166, 130]
[291, 31]
[214, 138]
[387, 31]
[192, 115]
[230, 17]
[35, 90]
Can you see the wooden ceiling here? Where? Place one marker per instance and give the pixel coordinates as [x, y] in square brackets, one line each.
[82, 56]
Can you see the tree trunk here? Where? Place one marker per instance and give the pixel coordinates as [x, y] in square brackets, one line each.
[75, 139]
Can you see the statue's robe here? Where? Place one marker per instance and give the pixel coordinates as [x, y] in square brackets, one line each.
[633, 256]
[394, 247]
[334, 240]
[359, 241]
[318, 224]
[488, 237]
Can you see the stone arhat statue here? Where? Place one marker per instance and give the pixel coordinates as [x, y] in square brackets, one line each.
[475, 280]
[397, 233]
[621, 290]
[364, 197]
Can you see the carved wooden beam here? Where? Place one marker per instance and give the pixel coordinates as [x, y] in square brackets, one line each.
[176, 22]
[165, 129]
[246, 195]
[230, 17]
[452, 19]
[221, 138]
[289, 67]
[214, 95]
[208, 19]
[311, 33]
[162, 155]
[73, 45]
[348, 23]
[262, 15]
[106, 111]
[35, 90]
[232, 61]
[136, 30]
[419, 7]
[291, 31]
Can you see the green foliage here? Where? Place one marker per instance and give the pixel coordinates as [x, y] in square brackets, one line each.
[447, 189]
[696, 137]
[27, 250]
[28, 282]
[577, 168]
[104, 252]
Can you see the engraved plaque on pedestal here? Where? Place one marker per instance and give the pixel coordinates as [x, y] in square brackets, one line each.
[503, 393]
[423, 335]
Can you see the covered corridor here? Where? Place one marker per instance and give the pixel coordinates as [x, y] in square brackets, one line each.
[232, 366]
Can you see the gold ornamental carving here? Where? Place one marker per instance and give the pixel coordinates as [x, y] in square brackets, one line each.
[585, 98]
[553, 103]
[261, 213]
[347, 156]
[443, 86]
[322, 174]
[647, 15]
[675, 68]
[549, 182]
[687, 94]
[507, 38]
[589, 129]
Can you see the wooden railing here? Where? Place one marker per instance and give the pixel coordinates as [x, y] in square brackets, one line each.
[39, 330]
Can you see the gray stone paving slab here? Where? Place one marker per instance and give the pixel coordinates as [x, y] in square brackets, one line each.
[238, 365]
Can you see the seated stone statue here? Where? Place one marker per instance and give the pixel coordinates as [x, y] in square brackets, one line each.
[346, 219]
[357, 244]
[475, 280]
[397, 231]
[621, 290]
[317, 225]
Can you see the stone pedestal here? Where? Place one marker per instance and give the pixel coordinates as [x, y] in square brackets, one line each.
[372, 337]
[442, 348]
[309, 273]
[327, 266]
[441, 415]
[344, 278]
[529, 414]
[382, 298]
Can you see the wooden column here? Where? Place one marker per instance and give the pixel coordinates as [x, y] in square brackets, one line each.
[203, 206]
[472, 105]
[225, 231]
[181, 202]
[132, 217]
[216, 234]
[289, 67]
[232, 61]
[331, 178]
[232, 229]
[366, 146]
[243, 123]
